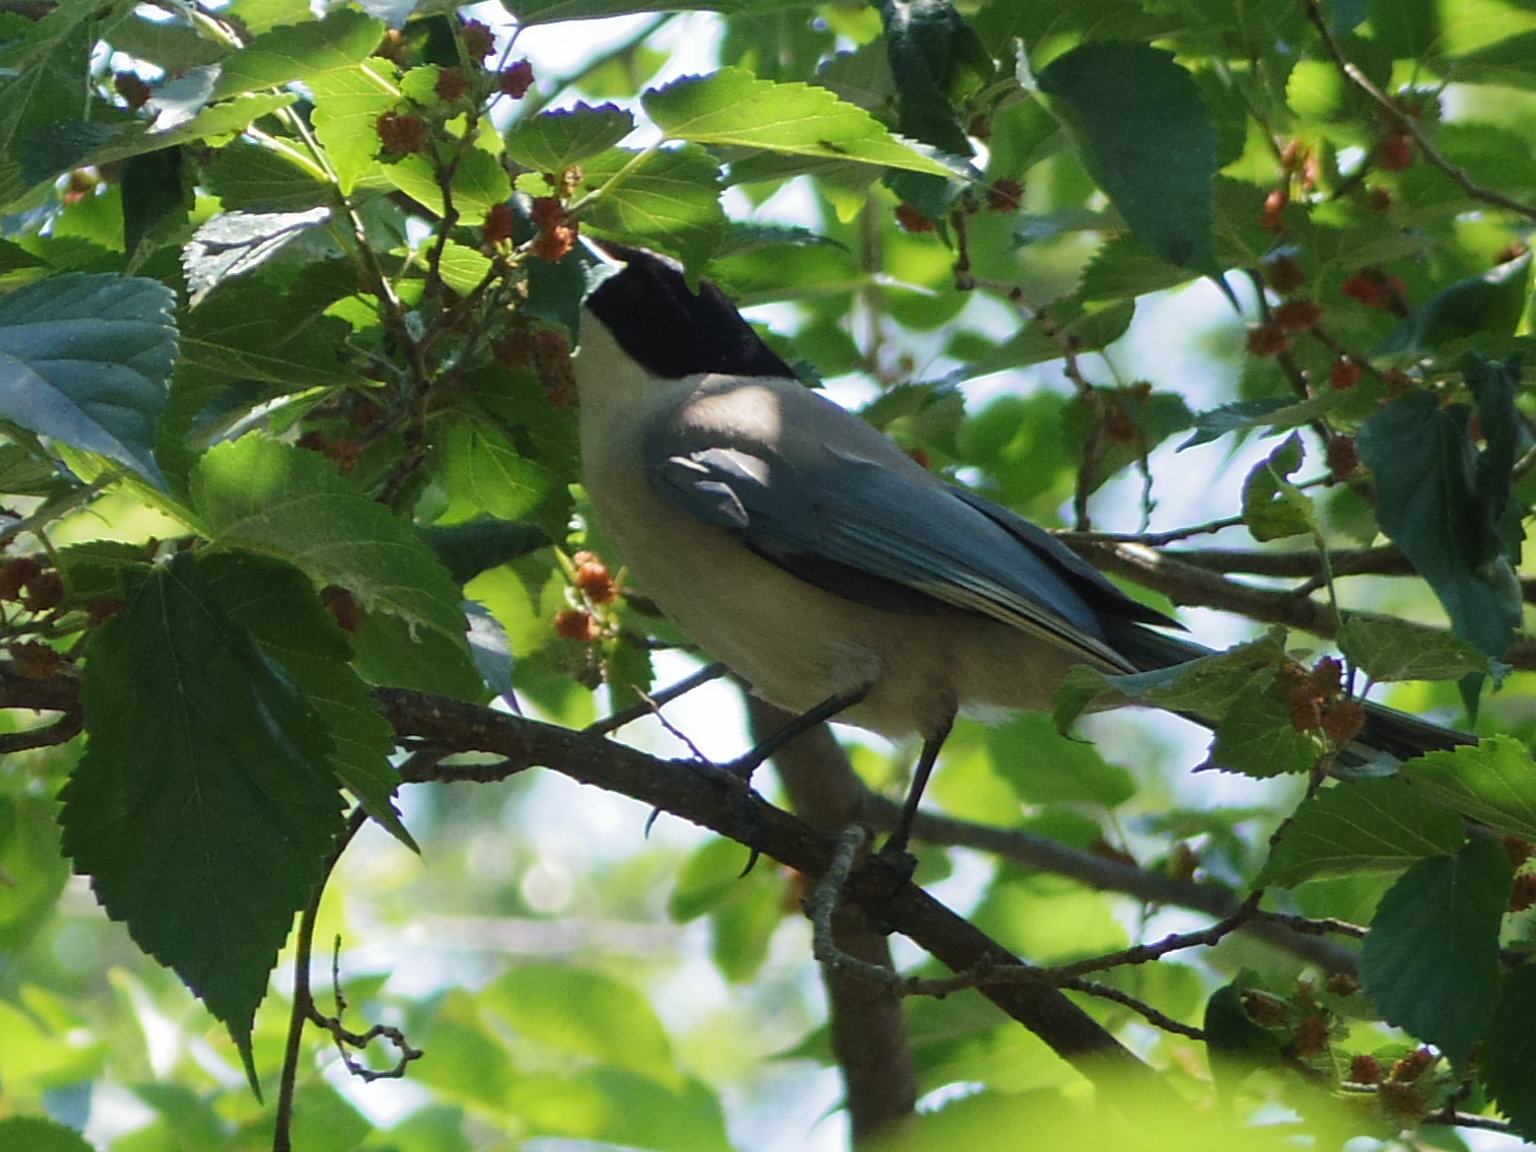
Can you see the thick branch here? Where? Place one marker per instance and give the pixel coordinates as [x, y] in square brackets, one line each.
[867, 1022]
[715, 800]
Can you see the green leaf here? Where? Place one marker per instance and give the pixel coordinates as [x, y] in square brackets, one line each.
[587, 1013]
[1206, 687]
[245, 331]
[30, 858]
[300, 52]
[204, 807]
[1493, 782]
[348, 104]
[169, 45]
[276, 603]
[263, 496]
[1273, 507]
[1378, 825]
[1236, 1043]
[1147, 138]
[87, 360]
[478, 466]
[468, 549]
[33, 1134]
[1507, 1059]
[248, 176]
[553, 141]
[462, 268]
[1431, 961]
[1045, 767]
[733, 107]
[744, 910]
[1150, 418]
[1277, 413]
[1124, 267]
[1387, 648]
[1256, 737]
[939, 66]
[1425, 468]
[388, 653]
[1491, 303]
[234, 243]
[671, 201]
[156, 200]
[479, 181]
[218, 120]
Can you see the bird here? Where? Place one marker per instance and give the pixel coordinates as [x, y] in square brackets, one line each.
[811, 555]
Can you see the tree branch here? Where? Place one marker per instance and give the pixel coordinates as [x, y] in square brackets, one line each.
[715, 800]
[867, 1023]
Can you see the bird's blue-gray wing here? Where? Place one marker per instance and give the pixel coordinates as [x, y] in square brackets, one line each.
[878, 534]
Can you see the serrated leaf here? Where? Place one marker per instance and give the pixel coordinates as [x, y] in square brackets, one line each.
[1379, 825]
[733, 107]
[477, 465]
[1490, 303]
[1493, 782]
[86, 360]
[276, 603]
[165, 43]
[244, 331]
[1125, 267]
[235, 243]
[217, 120]
[267, 497]
[204, 807]
[670, 202]
[1431, 961]
[470, 548]
[553, 141]
[1257, 738]
[1147, 138]
[1387, 648]
[1206, 686]
[1277, 413]
[300, 52]
[1273, 507]
[387, 652]
[462, 268]
[248, 176]
[479, 181]
[939, 65]
[348, 104]
[1507, 1058]
[1425, 469]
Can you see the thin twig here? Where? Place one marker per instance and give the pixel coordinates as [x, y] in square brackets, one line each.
[1407, 123]
[651, 704]
[1309, 927]
[1145, 953]
[1146, 1011]
[282, 1136]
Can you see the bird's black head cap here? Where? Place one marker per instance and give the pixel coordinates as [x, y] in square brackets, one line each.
[672, 331]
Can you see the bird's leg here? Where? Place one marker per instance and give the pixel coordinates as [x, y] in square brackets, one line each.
[896, 846]
[744, 766]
